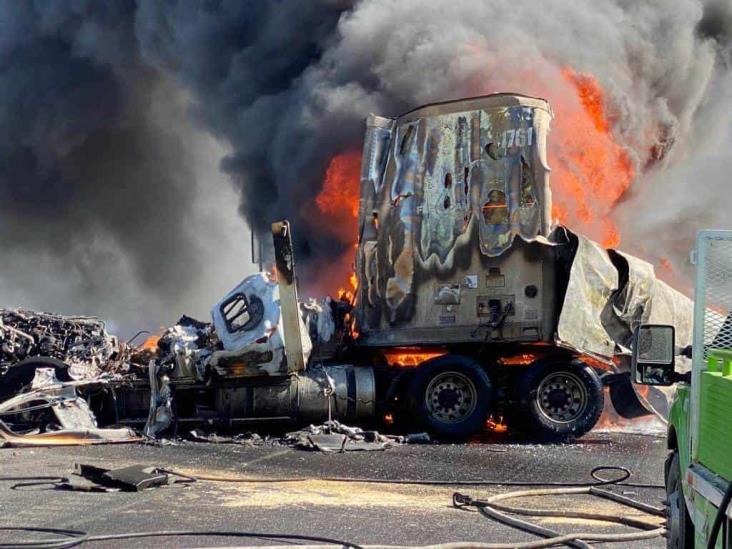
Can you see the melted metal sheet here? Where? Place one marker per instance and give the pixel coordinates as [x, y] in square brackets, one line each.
[437, 178]
[606, 300]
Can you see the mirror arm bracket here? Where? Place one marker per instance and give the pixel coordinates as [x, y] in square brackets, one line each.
[681, 378]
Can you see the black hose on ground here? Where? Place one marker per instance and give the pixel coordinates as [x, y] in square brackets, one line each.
[64, 538]
[73, 538]
[488, 508]
[25, 482]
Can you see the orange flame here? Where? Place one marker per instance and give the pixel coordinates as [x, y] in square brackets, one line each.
[348, 294]
[338, 203]
[151, 343]
[406, 357]
[339, 199]
[518, 360]
[496, 424]
[590, 170]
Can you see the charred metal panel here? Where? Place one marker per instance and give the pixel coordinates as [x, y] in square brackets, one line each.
[636, 280]
[445, 190]
[249, 321]
[291, 321]
[592, 282]
[375, 150]
[506, 298]
[75, 420]
[609, 294]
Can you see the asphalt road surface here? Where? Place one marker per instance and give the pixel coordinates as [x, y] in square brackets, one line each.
[357, 512]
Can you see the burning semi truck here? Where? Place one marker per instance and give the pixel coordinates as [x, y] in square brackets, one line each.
[470, 306]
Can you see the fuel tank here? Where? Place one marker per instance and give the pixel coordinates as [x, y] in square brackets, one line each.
[343, 392]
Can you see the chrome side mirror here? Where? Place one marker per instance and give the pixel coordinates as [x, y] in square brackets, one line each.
[653, 355]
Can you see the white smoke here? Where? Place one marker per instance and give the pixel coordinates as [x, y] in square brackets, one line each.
[666, 83]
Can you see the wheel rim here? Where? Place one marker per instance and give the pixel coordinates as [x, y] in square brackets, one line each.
[561, 397]
[451, 397]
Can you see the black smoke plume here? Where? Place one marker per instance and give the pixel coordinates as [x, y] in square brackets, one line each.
[98, 100]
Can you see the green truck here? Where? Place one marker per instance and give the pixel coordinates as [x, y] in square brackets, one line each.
[699, 465]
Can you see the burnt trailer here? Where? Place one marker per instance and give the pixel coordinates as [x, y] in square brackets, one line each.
[471, 304]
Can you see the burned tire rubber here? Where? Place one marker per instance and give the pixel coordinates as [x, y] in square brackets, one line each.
[450, 396]
[680, 534]
[559, 401]
[21, 374]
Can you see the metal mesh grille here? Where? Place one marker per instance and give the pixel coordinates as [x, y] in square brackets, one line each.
[716, 272]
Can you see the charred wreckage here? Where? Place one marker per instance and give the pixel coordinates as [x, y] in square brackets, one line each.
[470, 306]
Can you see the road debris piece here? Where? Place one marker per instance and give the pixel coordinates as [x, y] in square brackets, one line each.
[133, 478]
[417, 438]
[73, 421]
[66, 437]
[244, 439]
[161, 401]
[333, 436]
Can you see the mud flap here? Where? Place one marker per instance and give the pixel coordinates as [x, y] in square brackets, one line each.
[623, 397]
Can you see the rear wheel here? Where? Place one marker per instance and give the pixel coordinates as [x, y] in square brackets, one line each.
[450, 397]
[680, 529]
[21, 374]
[560, 400]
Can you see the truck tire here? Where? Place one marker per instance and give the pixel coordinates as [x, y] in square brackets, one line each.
[680, 529]
[559, 401]
[450, 397]
[21, 374]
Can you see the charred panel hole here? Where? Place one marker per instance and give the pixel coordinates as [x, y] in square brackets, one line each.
[446, 202]
[495, 210]
[448, 180]
[490, 150]
[467, 175]
[527, 191]
[405, 140]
